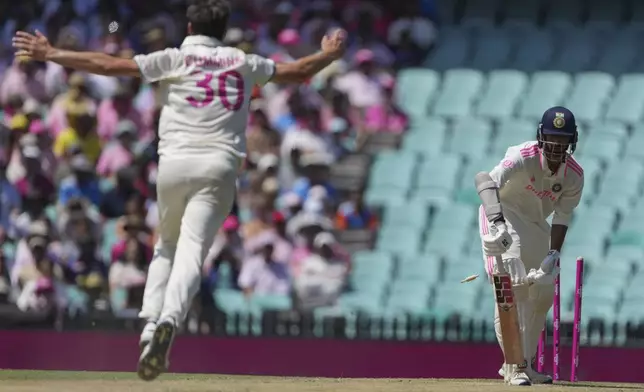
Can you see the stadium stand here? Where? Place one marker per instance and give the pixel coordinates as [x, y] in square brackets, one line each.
[492, 70]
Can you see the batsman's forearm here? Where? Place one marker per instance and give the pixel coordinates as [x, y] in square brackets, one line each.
[557, 236]
[489, 194]
[92, 62]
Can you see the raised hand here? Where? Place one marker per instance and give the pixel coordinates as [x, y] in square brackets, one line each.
[33, 46]
[334, 43]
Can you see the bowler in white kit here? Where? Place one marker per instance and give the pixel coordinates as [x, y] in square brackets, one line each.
[201, 148]
[534, 180]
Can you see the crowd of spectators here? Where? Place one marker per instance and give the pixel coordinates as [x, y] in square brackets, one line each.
[78, 152]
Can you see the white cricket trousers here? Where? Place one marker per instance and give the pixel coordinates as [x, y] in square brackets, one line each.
[194, 196]
[530, 244]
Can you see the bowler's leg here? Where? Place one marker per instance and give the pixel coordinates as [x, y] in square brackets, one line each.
[171, 203]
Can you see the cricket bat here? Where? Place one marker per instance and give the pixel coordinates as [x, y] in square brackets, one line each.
[508, 316]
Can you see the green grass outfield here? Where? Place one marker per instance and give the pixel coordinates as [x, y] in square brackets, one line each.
[28, 381]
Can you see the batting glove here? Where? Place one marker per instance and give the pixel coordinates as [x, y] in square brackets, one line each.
[548, 264]
[542, 278]
[498, 243]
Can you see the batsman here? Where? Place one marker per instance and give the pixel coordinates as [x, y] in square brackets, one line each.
[534, 180]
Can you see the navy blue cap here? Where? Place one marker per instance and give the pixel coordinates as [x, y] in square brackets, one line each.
[558, 121]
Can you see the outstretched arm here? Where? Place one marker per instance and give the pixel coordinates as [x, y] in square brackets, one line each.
[37, 47]
[333, 46]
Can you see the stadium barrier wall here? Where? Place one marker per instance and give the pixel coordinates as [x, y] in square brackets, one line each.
[103, 351]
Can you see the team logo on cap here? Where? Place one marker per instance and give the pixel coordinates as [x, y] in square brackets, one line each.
[556, 188]
[559, 121]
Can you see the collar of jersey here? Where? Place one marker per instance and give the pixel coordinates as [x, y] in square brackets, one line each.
[544, 166]
[200, 40]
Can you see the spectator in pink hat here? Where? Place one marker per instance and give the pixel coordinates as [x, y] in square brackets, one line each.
[289, 41]
[228, 248]
[386, 116]
[362, 84]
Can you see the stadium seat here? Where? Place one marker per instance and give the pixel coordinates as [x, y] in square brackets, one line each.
[361, 302]
[408, 302]
[535, 52]
[272, 302]
[605, 147]
[474, 166]
[415, 216]
[446, 293]
[433, 125]
[454, 216]
[593, 253]
[589, 94]
[446, 10]
[619, 57]
[635, 145]
[445, 242]
[452, 50]
[424, 268]
[566, 11]
[233, 302]
[369, 283]
[637, 13]
[502, 94]
[224, 276]
[625, 254]
[391, 178]
[609, 12]
[492, 49]
[511, 132]
[600, 219]
[620, 189]
[412, 287]
[471, 138]
[370, 260]
[525, 11]
[546, 89]
[577, 53]
[378, 197]
[402, 242]
[413, 100]
[487, 10]
[437, 175]
[425, 143]
[593, 172]
[627, 104]
[460, 89]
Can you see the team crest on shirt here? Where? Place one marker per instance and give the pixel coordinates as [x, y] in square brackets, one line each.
[559, 121]
[532, 179]
[556, 188]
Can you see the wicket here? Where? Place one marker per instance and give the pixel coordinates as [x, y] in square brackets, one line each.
[556, 313]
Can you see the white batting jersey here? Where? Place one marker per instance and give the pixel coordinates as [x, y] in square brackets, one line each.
[529, 188]
[208, 89]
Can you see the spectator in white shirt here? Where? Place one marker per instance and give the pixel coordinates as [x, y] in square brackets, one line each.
[263, 274]
[322, 277]
[362, 85]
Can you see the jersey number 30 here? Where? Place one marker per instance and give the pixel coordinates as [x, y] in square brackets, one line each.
[233, 104]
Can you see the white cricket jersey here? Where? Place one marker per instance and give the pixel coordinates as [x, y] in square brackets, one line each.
[530, 189]
[208, 89]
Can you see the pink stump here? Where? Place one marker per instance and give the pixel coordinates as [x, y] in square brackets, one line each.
[577, 320]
